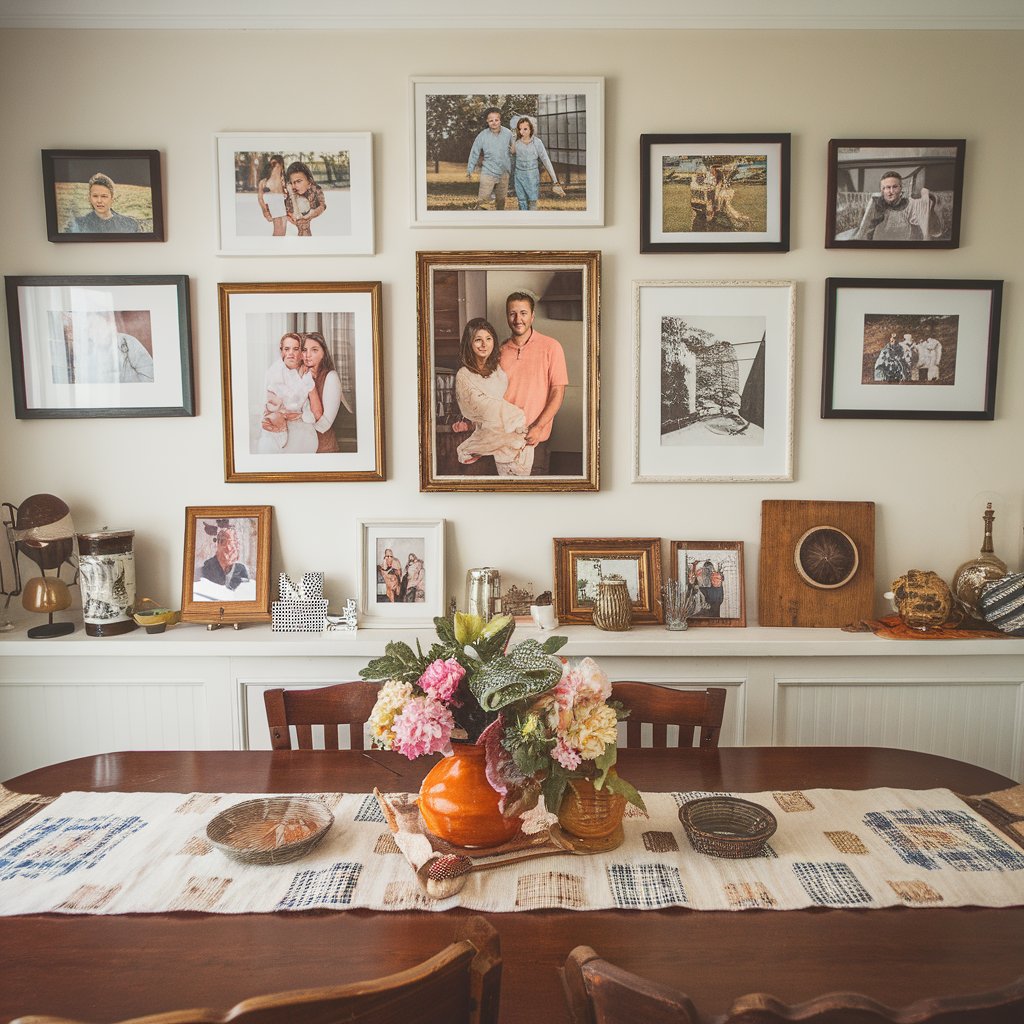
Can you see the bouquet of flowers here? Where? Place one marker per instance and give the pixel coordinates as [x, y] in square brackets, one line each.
[541, 721]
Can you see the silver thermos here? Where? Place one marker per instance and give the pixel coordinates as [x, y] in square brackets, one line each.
[483, 592]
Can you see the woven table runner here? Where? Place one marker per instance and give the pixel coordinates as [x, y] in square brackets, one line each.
[118, 853]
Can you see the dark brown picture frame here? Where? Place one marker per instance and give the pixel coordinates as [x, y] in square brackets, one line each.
[738, 585]
[206, 608]
[66, 173]
[853, 200]
[570, 603]
[654, 196]
[859, 312]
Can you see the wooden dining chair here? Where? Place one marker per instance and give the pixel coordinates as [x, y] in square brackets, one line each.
[599, 992]
[459, 985]
[662, 706]
[330, 706]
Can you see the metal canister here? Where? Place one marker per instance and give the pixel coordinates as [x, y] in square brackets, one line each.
[106, 567]
[483, 592]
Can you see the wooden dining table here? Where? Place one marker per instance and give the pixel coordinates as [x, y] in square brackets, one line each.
[105, 968]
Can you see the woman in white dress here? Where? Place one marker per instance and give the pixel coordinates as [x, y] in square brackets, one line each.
[499, 427]
[270, 193]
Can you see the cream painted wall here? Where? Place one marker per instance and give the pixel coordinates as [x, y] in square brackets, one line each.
[173, 90]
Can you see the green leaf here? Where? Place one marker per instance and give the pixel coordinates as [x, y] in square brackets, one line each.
[398, 662]
[490, 645]
[445, 629]
[615, 784]
[526, 671]
[554, 643]
[553, 788]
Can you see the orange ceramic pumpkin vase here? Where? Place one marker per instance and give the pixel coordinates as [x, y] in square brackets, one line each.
[458, 804]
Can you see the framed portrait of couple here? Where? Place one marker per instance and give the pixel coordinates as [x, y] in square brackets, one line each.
[226, 564]
[303, 388]
[507, 152]
[508, 370]
[295, 194]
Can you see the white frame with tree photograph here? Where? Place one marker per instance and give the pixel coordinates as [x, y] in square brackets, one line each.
[345, 228]
[564, 125]
[718, 444]
[425, 533]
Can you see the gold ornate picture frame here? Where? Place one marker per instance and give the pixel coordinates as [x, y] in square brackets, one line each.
[581, 563]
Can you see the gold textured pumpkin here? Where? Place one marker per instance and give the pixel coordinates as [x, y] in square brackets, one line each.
[923, 601]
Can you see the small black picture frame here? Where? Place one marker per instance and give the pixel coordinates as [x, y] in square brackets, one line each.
[714, 193]
[103, 195]
[910, 349]
[876, 188]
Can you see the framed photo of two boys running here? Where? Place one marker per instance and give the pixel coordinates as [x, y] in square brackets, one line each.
[508, 370]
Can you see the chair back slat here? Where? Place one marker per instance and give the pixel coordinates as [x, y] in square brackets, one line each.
[599, 992]
[328, 706]
[662, 706]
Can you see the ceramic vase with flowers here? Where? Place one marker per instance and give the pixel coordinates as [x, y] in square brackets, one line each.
[514, 723]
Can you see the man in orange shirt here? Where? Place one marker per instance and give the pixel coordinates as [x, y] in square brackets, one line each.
[537, 376]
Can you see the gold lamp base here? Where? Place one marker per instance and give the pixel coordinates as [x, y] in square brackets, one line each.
[47, 594]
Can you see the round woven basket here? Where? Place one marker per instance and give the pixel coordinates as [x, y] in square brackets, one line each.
[271, 830]
[725, 826]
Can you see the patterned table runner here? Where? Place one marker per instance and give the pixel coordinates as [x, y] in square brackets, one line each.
[117, 853]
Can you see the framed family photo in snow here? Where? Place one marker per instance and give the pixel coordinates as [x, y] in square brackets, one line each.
[713, 380]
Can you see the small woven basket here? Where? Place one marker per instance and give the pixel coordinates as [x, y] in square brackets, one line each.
[272, 830]
[725, 826]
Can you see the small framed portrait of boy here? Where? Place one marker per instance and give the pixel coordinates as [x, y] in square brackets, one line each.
[103, 195]
[226, 564]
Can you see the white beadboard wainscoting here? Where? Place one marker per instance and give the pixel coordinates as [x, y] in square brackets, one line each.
[191, 689]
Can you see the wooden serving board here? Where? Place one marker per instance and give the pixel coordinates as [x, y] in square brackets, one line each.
[784, 598]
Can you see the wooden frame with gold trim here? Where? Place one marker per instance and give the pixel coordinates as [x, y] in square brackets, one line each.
[645, 551]
[478, 283]
[228, 612]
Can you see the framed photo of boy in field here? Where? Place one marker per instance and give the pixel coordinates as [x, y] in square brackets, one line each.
[714, 193]
[103, 195]
[509, 152]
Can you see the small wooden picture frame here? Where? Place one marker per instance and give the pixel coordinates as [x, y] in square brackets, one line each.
[226, 564]
[715, 568]
[581, 563]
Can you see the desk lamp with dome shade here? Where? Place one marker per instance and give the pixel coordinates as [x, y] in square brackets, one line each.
[41, 529]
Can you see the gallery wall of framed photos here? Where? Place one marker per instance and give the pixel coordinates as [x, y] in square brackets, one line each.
[373, 141]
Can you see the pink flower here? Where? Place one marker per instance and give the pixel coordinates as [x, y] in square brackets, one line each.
[424, 727]
[566, 756]
[441, 679]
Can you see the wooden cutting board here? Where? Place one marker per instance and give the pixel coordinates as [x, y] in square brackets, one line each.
[784, 597]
